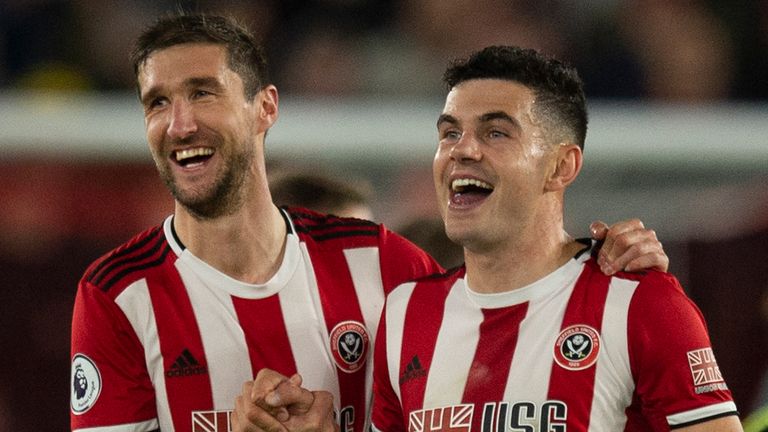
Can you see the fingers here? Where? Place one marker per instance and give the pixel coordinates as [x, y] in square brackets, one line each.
[250, 417]
[266, 381]
[289, 394]
[275, 403]
[318, 416]
[629, 246]
[263, 393]
[599, 230]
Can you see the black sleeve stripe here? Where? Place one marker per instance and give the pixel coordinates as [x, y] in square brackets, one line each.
[339, 223]
[343, 234]
[324, 220]
[705, 419]
[442, 275]
[115, 258]
[116, 264]
[141, 266]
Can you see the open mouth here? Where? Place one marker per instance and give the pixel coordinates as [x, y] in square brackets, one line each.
[192, 157]
[466, 191]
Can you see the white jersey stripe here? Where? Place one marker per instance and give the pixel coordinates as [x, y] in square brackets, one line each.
[448, 359]
[137, 307]
[364, 268]
[366, 277]
[613, 368]
[546, 309]
[224, 343]
[396, 307]
[300, 305]
[703, 412]
[537, 334]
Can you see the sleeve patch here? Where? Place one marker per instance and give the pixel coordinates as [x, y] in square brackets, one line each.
[85, 384]
[704, 371]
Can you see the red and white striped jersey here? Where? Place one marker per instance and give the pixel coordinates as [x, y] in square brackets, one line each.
[574, 351]
[162, 340]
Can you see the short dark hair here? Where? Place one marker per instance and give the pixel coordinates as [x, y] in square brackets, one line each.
[244, 55]
[558, 88]
[320, 192]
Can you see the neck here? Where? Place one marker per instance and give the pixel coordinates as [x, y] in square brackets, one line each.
[247, 245]
[537, 249]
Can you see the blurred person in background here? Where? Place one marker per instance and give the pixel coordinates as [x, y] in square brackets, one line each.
[428, 233]
[322, 193]
[168, 326]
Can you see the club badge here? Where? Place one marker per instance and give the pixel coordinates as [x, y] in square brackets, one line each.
[577, 347]
[349, 345]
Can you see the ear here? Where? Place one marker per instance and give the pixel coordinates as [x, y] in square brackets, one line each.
[267, 99]
[568, 160]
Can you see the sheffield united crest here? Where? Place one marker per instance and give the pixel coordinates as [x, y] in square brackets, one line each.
[577, 347]
[349, 345]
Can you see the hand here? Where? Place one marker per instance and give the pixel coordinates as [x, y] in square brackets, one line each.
[628, 246]
[275, 403]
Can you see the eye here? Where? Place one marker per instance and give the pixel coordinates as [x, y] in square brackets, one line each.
[201, 93]
[156, 103]
[495, 133]
[450, 134]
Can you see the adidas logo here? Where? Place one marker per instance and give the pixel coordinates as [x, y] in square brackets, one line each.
[185, 365]
[413, 371]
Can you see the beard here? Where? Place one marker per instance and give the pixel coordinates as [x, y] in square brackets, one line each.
[224, 196]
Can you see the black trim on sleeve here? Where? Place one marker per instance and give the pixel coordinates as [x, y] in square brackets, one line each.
[142, 266]
[705, 419]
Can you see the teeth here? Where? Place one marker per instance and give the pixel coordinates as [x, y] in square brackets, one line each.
[192, 152]
[462, 183]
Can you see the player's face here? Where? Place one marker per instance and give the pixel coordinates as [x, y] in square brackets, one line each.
[200, 127]
[490, 163]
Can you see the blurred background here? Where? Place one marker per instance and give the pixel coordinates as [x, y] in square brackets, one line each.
[678, 93]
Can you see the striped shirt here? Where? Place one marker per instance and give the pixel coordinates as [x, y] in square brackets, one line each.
[576, 351]
[160, 339]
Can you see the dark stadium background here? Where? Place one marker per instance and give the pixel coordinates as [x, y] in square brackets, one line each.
[679, 137]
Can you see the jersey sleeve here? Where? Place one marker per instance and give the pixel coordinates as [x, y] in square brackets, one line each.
[110, 387]
[402, 261]
[387, 413]
[677, 378]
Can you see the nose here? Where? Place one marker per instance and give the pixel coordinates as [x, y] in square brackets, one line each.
[182, 123]
[466, 149]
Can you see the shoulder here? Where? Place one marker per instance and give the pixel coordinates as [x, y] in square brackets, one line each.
[318, 227]
[655, 289]
[329, 231]
[434, 284]
[128, 262]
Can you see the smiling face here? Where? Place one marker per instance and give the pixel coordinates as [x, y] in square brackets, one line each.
[201, 128]
[492, 162]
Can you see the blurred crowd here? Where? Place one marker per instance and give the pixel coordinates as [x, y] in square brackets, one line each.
[677, 51]
[666, 50]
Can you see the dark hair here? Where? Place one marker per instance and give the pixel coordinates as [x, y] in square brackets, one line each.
[559, 90]
[244, 55]
[319, 192]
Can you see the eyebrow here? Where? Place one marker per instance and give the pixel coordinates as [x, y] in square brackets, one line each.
[498, 115]
[494, 115]
[446, 118]
[189, 82]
